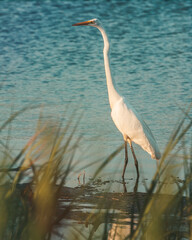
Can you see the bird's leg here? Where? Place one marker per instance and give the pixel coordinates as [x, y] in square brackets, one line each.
[135, 159]
[126, 159]
[136, 185]
[124, 186]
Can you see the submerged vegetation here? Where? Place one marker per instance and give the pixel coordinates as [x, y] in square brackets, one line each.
[35, 202]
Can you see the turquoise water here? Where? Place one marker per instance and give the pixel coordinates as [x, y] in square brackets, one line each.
[46, 61]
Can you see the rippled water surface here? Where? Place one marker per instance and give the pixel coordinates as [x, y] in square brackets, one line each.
[46, 61]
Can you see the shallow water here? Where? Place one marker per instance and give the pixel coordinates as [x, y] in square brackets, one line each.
[46, 61]
[93, 207]
[92, 211]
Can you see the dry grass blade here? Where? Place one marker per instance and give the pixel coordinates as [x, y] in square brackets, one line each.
[107, 160]
[14, 115]
[152, 221]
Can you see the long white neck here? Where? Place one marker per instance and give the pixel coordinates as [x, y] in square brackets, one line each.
[112, 92]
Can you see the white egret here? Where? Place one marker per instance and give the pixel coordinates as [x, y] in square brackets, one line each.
[126, 118]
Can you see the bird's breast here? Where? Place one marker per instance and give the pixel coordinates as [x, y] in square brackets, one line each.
[125, 119]
[131, 124]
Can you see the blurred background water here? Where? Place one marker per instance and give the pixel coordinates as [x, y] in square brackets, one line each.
[46, 61]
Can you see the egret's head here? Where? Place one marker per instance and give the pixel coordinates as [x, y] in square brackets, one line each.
[93, 22]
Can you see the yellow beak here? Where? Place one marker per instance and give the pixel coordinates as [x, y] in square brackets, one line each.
[81, 23]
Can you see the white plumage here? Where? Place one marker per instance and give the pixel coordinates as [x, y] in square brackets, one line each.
[131, 124]
[127, 120]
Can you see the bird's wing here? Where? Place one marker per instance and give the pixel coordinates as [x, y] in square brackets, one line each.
[130, 123]
[126, 119]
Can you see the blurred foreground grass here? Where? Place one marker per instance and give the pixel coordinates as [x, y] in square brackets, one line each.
[43, 208]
